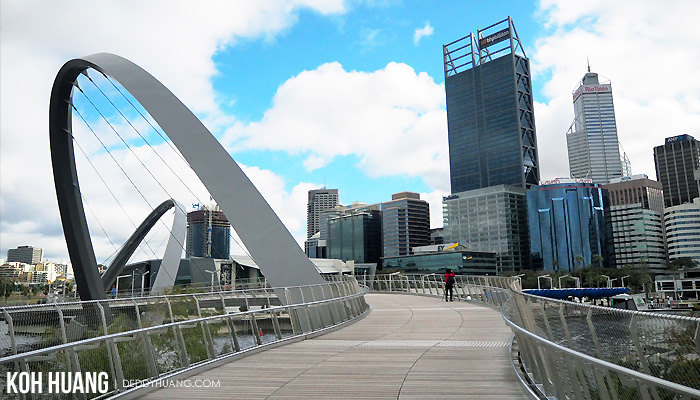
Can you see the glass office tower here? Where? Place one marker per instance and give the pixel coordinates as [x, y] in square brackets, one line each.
[569, 225]
[490, 119]
[678, 169]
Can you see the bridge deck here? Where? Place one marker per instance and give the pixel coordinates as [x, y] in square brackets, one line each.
[408, 347]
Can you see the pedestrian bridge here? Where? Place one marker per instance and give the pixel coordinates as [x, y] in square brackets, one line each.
[392, 337]
[407, 347]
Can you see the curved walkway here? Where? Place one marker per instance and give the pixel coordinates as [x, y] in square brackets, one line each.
[408, 347]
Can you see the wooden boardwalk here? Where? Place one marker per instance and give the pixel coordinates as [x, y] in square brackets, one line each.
[408, 347]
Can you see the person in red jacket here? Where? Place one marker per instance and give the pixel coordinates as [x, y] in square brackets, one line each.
[449, 285]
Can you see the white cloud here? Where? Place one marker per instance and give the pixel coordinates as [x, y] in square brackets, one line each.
[420, 33]
[166, 38]
[648, 50]
[392, 119]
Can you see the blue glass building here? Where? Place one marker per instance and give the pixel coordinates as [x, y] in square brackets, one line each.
[568, 221]
[490, 118]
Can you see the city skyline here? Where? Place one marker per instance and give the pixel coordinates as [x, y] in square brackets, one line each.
[338, 94]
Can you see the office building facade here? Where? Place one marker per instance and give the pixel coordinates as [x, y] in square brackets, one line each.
[569, 225]
[405, 224]
[492, 219]
[678, 169]
[592, 142]
[356, 236]
[636, 212]
[320, 200]
[490, 115]
[208, 234]
[461, 261]
[682, 223]
[25, 254]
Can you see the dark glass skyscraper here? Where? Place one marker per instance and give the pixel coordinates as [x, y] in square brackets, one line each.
[490, 119]
[678, 169]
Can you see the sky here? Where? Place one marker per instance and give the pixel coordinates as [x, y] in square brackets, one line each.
[311, 93]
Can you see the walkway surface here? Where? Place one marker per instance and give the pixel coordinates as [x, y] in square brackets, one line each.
[408, 347]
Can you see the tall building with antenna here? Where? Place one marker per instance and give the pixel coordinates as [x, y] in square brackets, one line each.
[594, 149]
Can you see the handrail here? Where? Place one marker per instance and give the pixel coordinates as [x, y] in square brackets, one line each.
[151, 353]
[680, 389]
[615, 338]
[88, 341]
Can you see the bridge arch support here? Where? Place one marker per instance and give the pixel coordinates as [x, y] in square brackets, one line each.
[274, 249]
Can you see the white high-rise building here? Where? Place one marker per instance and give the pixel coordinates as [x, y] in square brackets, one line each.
[594, 149]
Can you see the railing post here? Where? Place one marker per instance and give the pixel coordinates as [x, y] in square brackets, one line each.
[293, 314]
[208, 345]
[147, 346]
[70, 354]
[179, 340]
[112, 352]
[640, 352]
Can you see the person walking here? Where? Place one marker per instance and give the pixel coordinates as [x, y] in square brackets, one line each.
[449, 285]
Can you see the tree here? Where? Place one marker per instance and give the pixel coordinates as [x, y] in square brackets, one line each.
[598, 260]
[555, 264]
[682, 263]
[579, 259]
[6, 287]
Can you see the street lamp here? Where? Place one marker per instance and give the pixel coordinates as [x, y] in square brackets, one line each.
[116, 290]
[611, 281]
[608, 278]
[212, 277]
[578, 282]
[143, 275]
[520, 281]
[623, 280]
[563, 276]
[546, 277]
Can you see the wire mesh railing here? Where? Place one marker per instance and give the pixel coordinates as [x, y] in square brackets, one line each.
[579, 351]
[139, 340]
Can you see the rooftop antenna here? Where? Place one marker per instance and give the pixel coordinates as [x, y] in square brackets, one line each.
[589, 63]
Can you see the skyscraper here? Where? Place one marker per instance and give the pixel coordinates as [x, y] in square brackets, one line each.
[319, 200]
[405, 224]
[678, 169]
[208, 234]
[594, 149]
[636, 211]
[490, 118]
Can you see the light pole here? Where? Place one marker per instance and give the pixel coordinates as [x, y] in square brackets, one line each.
[546, 277]
[611, 282]
[520, 281]
[133, 277]
[116, 290]
[143, 275]
[212, 277]
[608, 279]
[563, 276]
[578, 282]
[623, 280]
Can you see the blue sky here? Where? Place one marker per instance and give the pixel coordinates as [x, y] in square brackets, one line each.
[307, 92]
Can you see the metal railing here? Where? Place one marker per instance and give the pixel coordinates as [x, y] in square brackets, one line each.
[144, 339]
[572, 350]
